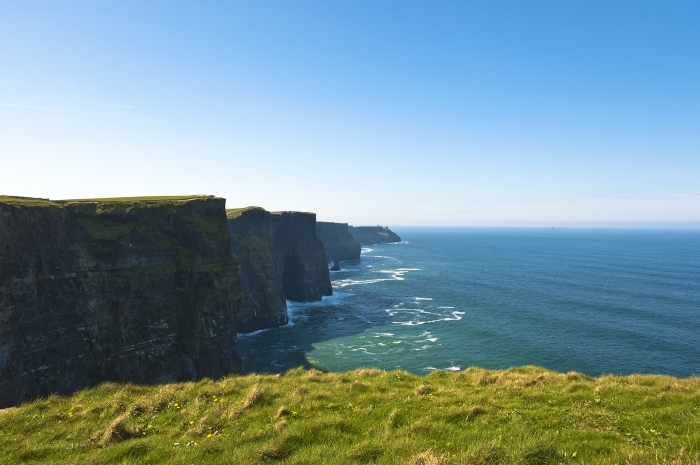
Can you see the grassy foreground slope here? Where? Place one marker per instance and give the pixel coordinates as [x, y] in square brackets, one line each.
[522, 415]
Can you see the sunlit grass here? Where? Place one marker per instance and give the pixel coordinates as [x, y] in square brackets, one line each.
[137, 199]
[522, 415]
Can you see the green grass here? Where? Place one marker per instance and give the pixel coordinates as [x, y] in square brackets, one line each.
[236, 212]
[523, 415]
[27, 201]
[37, 202]
[137, 199]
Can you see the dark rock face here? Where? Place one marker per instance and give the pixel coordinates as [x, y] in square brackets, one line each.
[306, 277]
[339, 243]
[144, 291]
[368, 235]
[281, 258]
[254, 244]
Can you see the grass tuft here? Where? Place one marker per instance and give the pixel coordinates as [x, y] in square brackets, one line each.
[255, 396]
[427, 458]
[118, 431]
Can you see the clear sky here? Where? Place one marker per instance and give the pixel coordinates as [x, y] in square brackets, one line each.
[560, 113]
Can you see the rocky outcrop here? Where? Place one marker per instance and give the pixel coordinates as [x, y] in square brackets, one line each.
[368, 235]
[338, 241]
[281, 258]
[139, 290]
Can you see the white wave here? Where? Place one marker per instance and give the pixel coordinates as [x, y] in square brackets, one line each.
[363, 349]
[411, 323]
[365, 250]
[383, 334]
[296, 311]
[446, 307]
[453, 369]
[254, 333]
[396, 275]
[423, 298]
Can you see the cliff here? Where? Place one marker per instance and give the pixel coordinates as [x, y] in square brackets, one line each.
[281, 258]
[368, 235]
[140, 290]
[338, 241]
[254, 245]
[306, 277]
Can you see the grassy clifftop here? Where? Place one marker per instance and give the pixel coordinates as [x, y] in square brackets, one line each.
[32, 201]
[523, 415]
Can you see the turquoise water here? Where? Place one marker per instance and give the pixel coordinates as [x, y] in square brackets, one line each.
[594, 301]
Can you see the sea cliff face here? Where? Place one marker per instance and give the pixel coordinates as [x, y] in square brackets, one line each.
[281, 258]
[144, 291]
[254, 245]
[306, 277]
[338, 242]
[368, 235]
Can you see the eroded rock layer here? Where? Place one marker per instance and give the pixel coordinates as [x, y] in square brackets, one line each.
[138, 290]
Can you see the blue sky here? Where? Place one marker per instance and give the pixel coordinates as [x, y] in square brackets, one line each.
[400, 113]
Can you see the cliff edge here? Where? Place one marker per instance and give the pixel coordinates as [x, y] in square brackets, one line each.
[368, 235]
[140, 290]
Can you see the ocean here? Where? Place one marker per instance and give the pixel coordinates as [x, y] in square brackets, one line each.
[592, 301]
